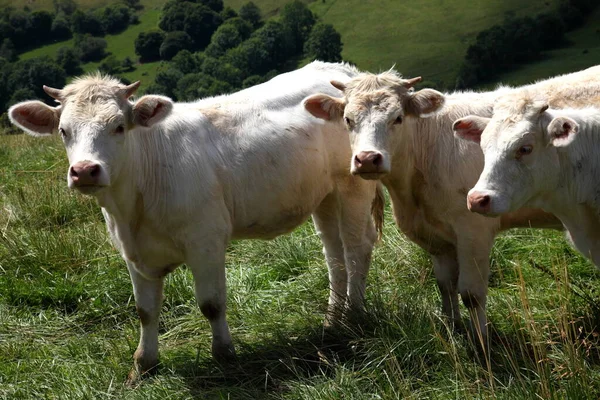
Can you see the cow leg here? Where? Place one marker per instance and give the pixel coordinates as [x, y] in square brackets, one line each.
[473, 257]
[326, 219]
[148, 300]
[358, 236]
[207, 263]
[445, 267]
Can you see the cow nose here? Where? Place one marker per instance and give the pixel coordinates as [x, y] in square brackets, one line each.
[85, 173]
[368, 161]
[479, 202]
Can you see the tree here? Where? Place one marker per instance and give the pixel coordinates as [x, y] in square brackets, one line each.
[68, 59]
[215, 5]
[167, 79]
[115, 18]
[200, 23]
[276, 40]
[110, 65]
[251, 57]
[185, 62]
[133, 4]
[7, 50]
[324, 43]
[225, 37]
[41, 25]
[147, 45]
[60, 27]
[90, 48]
[67, 7]
[228, 13]
[32, 74]
[221, 71]
[174, 42]
[83, 23]
[299, 20]
[127, 64]
[251, 13]
[173, 15]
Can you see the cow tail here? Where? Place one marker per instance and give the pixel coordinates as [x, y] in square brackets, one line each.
[377, 210]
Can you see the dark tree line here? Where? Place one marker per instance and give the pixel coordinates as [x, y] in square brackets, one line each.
[207, 49]
[240, 50]
[519, 40]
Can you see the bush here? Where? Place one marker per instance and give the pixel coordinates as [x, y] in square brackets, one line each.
[84, 23]
[7, 50]
[324, 43]
[115, 18]
[60, 27]
[197, 20]
[298, 20]
[185, 62]
[90, 48]
[251, 13]
[225, 37]
[68, 59]
[174, 42]
[147, 45]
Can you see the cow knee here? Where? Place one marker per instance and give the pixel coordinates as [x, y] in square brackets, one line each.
[212, 309]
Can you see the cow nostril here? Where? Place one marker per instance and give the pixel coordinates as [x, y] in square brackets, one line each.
[377, 160]
[94, 171]
[485, 201]
[357, 161]
[73, 172]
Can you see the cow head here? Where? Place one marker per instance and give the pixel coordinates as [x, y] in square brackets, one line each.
[374, 110]
[94, 119]
[520, 145]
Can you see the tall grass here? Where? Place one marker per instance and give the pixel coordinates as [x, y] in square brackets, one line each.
[68, 326]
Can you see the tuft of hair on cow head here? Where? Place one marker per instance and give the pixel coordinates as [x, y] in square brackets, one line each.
[470, 127]
[35, 117]
[151, 109]
[423, 102]
[562, 131]
[325, 107]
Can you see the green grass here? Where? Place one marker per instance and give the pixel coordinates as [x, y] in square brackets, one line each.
[68, 326]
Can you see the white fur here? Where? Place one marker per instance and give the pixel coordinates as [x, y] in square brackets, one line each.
[430, 173]
[248, 165]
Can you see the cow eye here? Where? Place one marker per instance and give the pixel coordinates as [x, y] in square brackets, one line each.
[62, 132]
[398, 120]
[524, 150]
[120, 129]
[348, 122]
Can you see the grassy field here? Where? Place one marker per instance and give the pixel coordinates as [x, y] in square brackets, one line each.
[68, 326]
[583, 52]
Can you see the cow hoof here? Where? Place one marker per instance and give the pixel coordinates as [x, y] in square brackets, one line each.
[224, 353]
[137, 373]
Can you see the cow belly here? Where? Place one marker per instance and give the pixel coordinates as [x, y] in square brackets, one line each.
[157, 250]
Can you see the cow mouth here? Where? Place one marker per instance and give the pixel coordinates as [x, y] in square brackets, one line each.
[88, 189]
[371, 175]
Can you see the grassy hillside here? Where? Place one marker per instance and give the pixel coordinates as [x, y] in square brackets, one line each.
[375, 36]
[582, 52]
[428, 37]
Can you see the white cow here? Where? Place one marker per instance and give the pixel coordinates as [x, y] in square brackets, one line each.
[178, 181]
[405, 138]
[538, 157]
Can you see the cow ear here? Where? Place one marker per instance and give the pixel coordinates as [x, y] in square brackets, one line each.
[562, 131]
[151, 109]
[470, 127]
[35, 117]
[325, 107]
[425, 101]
